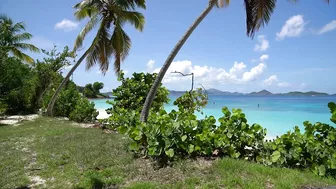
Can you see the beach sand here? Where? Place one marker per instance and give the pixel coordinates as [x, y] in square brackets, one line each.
[102, 114]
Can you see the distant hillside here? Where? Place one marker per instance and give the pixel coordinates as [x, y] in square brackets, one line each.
[261, 93]
[213, 91]
[310, 93]
[108, 93]
[219, 92]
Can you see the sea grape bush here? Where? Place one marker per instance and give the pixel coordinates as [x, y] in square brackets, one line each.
[84, 111]
[314, 149]
[332, 107]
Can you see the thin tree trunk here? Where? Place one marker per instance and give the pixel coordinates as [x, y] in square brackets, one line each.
[151, 95]
[65, 80]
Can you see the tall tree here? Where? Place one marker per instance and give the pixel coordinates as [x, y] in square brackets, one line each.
[12, 37]
[258, 13]
[111, 40]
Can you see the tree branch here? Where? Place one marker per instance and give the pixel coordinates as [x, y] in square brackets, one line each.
[192, 79]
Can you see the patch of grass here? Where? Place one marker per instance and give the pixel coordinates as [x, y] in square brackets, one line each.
[66, 156]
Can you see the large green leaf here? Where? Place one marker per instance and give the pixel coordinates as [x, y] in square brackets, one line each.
[275, 156]
[170, 153]
[322, 170]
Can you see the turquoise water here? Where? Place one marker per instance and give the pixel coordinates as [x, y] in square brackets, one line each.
[276, 114]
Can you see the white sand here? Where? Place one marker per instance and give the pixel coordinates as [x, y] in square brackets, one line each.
[11, 120]
[102, 114]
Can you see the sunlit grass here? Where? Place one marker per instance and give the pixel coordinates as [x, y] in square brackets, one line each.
[67, 156]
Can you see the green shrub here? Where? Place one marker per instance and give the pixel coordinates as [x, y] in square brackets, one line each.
[71, 104]
[314, 149]
[131, 95]
[132, 92]
[332, 107]
[17, 86]
[66, 101]
[84, 111]
[177, 134]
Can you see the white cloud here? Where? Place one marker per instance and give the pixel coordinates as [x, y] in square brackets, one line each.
[284, 84]
[66, 25]
[327, 28]
[264, 57]
[150, 65]
[293, 27]
[125, 72]
[269, 81]
[262, 45]
[210, 76]
[254, 73]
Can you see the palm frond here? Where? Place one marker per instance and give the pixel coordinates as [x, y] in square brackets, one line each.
[22, 56]
[134, 18]
[121, 43]
[18, 27]
[26, 46]
[21, 37]
[86, 9]
[258, 13]
[87, 28]
[100, 50]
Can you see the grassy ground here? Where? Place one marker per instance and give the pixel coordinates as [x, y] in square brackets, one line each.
[49, 153]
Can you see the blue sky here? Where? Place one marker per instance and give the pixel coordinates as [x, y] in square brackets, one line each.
[295, 51]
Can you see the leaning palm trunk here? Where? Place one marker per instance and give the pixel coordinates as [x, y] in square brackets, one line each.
[151, 95]
[65, 80]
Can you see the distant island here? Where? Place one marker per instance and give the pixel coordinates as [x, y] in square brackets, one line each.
[217, 92]
[260, 93]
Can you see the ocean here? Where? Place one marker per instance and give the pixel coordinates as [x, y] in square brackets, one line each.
[277, 114]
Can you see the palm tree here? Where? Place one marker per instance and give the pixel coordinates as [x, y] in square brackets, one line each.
[258, 14]
[110, 40]
[11, 38]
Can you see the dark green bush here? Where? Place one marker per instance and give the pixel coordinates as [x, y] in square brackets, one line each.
[132, 92]
[17, 86]
[84, 111]
[332, 107]
[66, 102]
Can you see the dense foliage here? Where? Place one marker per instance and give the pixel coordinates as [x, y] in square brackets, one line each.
[17, 86]
[84, 111]
[332, 107]
[93, 90]
[131, 94]
[180, 134]
[27, 88]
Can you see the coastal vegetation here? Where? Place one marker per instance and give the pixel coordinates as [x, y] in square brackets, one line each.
[179, 134]
[27, 89]
[140, 144]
